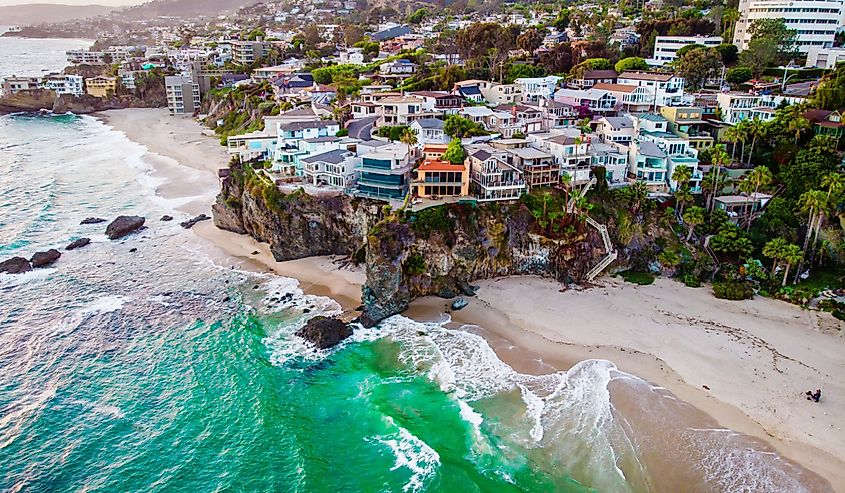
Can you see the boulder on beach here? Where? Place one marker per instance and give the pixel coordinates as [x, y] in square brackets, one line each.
[78, 243]
[123, 225]
[93, 220]
[166, 218]
[325, 332]
[15, 265]
[459, 304]
[43, 259]
[190, 222]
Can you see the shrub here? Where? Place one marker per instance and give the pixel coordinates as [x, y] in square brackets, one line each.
[415, 264]
[733, 290]
[637, 277]
[691, 281]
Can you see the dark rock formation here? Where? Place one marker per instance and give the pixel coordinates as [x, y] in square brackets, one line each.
[190, 222]
[15, 265]
[123, 225]
[324, 332]
[92, 220]
[43, 259]
[78, 243]
[459, 304]
[166, 218]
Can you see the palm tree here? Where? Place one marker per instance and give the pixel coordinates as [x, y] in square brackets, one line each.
[791, 254]
[682, 196]
[693, 217]
[719, 157]
[798, 124]
[409, 138]
[812, 203]
[743, 131]
[774, 250]
[756, 128]
[732, 135]
[637, 194]
[682, 175]
[758, 177]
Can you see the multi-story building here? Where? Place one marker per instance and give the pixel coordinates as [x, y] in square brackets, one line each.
[101, 86]
[14, 85]
[557, 115]
[384, 172]
[815, 21]
[826, 58]
[492, 177]
[616, 129]
[536, 88]
[439, 102]
[688, 123]
[666, 47]
[570, 149]
[260, 145]
[738, 106]
[335, 168]
[677, 151]
[613, 158]
[183, 95]
[64, 84]
[300, 138]
[595, 100]
[438, 178]
[665, 89]
[593, 77]
[248, 52]
[430, 131]
[634, 99]
[399, 110]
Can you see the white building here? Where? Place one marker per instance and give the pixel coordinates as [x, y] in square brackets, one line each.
[825, 58]
[665, 89]
[816, 21]
[335, 168]
[64, 84]
[738, 106]
[665, 47]
[183, 95]
[536, 88]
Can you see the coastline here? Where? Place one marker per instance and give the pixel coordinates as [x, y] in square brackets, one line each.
[756, 375]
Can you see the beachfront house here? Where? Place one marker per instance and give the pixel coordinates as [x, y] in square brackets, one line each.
[335, 168]
[492, 178]
[385, 170]
[436, 178]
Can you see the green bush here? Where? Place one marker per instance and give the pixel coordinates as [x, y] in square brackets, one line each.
[637, 277]
[733, 290]
[415, 264]
[432, 219]
[691, 281]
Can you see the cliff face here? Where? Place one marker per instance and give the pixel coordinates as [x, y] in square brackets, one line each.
[436, 251]
[43, 99]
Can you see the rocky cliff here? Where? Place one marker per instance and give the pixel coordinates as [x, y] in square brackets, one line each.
[436, 251]
[43, 99]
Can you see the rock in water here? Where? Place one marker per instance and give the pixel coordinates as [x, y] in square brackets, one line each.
[459, 304]
[166, 218]
[15, 265]
[190, 222]
[78, 243]
[93, 220]
[43, 259]
[123, 225]
[324, 332]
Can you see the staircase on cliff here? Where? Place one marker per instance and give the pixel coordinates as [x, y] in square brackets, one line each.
[610, 253]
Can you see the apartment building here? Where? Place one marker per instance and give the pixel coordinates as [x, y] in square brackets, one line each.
[14, 85]
[815, 21]
[72, 85]
[536, 88]
[183, 95]
[248, 52]
[384, 171]
[738, 106]
[666, 47]
[665, 89]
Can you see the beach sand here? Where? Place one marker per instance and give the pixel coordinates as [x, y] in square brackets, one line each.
[747, 364]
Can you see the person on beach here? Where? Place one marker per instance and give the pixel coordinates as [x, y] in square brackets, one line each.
[814, 396]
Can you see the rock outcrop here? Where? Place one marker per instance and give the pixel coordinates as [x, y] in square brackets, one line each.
[43, 259]
[123, 225]
[325, 332]
[190, 222]
[92, 220]
[15, 265]
[81, 242]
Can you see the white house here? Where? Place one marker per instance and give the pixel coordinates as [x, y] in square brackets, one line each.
[665, 89]
[335, 168]
[666, 47]
[535, 88]
[64, 84]
[595, 100]
[430, 131]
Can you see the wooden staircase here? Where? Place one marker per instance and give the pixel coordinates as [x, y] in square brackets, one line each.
[610, 253]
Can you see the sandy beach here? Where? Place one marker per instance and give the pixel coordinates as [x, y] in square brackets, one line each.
[747, 364]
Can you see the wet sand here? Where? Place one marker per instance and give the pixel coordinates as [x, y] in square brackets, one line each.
[746, 364]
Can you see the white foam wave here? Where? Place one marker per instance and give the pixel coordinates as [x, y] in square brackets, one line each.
[105, 304]
[411, 453]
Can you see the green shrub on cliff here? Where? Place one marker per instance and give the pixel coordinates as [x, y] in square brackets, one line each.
[433, 219]
[414, 265]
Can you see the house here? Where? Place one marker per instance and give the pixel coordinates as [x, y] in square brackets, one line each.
[492, 178]
[296, 139]
[364, 109]
[384, 171]
[737, 206]
[434, 152]
[293, 85]
[259, 145]
[677, 151]
[613, 158]
[593, 77]
[470, 90]
[71, 85]
[271, 73]
[430, 131]
[615, 129]
[497, 94]
[688, 123]
[335, 168]
[553, 39]
[183, 95]
[665, 89]
[538, 166]
[633, 99]
[398, 68]
[594, 100]
[14, 85]
[101, 86]
[438, 178]
[557, 115]
[390, 33]
[570, 149]
[826, 122]
[648, 164]
[535, 88]
[439, 101]
[399, 110]
[527, 118]
[737, 106]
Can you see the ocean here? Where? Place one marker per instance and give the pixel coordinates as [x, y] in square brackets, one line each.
[141, 365]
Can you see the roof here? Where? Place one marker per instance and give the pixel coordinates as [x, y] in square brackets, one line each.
[562, 139]
[469, 90]
[303, 125]
[619, 121]
[431, 123]
[398, 100]
[481, 155]
[529, 153]
[521, 108]
[477, 111]
[655, 76]
[438, 165]
[600, 74]
[650, 149]
[652, 117]
[602, 86]
[317, 140]
[391, 33]
[433, 94]
[335, 156]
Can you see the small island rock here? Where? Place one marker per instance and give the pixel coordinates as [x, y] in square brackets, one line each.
[190, 222]
[166, 218]
[43, 259]
[15, 265]
[459, 304]
[123, 225]
[78, 243]
[93, 220]
[324, 332]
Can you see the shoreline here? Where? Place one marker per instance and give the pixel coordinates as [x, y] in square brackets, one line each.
[723, 355]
